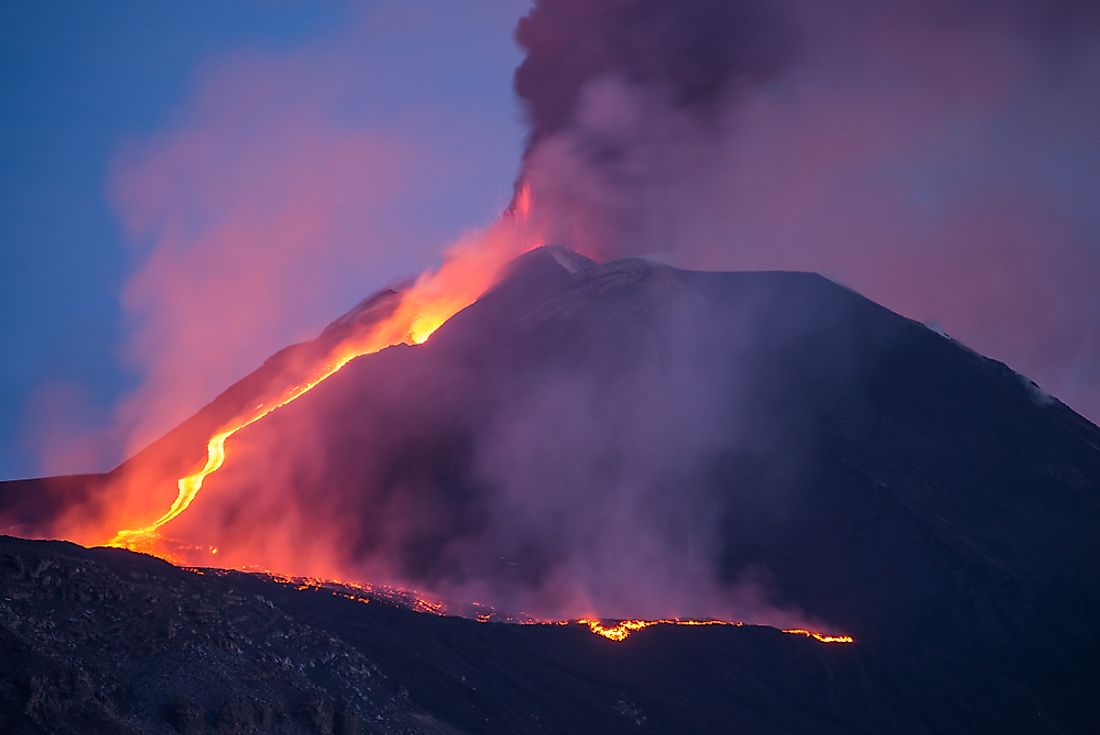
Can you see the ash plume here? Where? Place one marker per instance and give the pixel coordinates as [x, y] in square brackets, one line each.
[939, 157]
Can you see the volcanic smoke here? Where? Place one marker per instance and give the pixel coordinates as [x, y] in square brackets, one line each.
[433, 299]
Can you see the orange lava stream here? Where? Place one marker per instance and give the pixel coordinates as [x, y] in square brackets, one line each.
[823, 637]
[142, 538]
[622, 629]
[414, 321]
[468, 270]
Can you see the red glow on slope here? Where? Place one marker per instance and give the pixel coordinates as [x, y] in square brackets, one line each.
[468, 270]
[619, 631]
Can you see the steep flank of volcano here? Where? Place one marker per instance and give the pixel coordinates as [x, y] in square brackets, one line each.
[629, 440]
[867, 471]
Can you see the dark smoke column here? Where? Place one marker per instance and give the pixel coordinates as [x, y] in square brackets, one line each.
[937, 156]
[592, 71]
[694, 52]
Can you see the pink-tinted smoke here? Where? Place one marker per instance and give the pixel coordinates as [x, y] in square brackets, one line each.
[940, 159]
[289, 186]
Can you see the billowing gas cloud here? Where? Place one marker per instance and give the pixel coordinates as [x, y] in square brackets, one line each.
[290, 183]
[939, 157]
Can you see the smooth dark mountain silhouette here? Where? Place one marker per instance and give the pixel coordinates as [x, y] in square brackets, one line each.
[652, 440]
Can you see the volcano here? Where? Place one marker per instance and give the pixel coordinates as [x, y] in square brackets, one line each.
[628, 439]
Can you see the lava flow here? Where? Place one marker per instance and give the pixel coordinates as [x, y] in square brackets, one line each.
[468, 270]
[142, 538]
[413, 600]
[622, 629]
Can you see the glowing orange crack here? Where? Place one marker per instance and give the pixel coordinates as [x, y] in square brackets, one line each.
[622, 629]
[823, 637]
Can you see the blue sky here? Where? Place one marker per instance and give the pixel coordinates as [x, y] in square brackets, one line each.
[84, 83]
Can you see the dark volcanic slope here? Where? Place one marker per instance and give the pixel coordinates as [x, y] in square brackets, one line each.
[107, 641]
[885, 478]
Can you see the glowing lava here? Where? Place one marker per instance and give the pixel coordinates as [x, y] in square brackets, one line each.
[468, 270]
[142, 538]
[413, 600]
[622, 629]
[619, 631]
[823, 637]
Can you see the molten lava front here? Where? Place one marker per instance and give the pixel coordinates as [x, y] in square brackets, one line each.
[416, 601]
[622, 629]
